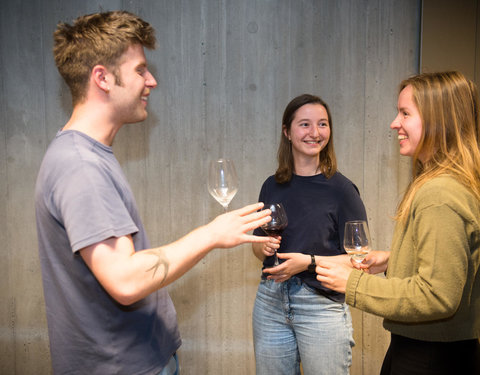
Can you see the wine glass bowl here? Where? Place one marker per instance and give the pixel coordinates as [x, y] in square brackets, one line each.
[356, 240]
[222, 181]
[276, 226]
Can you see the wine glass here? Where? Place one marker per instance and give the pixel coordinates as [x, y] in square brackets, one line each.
[276, 226]
[357, 240]
[222, 181]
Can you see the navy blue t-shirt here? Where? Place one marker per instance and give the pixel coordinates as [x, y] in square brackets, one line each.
[317, 209]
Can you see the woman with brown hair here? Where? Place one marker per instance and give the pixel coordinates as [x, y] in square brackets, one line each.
[295, 318]
[430, 298]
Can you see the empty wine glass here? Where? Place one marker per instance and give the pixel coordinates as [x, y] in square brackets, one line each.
[357, 240]
[276, 226]
[222, 181]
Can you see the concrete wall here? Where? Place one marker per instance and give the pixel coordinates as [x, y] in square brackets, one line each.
[226, 69]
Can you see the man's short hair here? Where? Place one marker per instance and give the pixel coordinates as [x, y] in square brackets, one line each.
[96, 39]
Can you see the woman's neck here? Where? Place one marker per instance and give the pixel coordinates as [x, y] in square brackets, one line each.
[310, 167]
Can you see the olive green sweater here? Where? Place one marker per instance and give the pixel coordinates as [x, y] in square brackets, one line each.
[432, 288]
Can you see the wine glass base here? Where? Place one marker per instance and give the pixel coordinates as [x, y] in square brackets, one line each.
[356, 260]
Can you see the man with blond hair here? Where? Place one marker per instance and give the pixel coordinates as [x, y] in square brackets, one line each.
[107, 309]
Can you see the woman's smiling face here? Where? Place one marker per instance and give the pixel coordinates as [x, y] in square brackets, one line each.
[408, 123]
[309, 131]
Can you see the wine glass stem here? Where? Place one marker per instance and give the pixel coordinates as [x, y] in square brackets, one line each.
[275, 259]
[225, 208]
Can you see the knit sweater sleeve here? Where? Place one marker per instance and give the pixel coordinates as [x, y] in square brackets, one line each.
[428, 265]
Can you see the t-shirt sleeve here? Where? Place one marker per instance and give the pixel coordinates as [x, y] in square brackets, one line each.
[90, 206]
[352, 207]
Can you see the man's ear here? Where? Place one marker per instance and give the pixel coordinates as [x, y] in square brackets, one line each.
[99, 77]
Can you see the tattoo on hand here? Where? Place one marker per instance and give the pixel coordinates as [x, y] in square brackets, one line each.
[161, 261]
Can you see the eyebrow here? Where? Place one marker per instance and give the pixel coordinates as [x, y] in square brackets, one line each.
[308, 120]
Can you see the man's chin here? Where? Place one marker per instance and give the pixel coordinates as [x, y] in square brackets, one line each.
[138, 119]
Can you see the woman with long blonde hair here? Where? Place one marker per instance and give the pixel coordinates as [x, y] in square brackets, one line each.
[430, 298]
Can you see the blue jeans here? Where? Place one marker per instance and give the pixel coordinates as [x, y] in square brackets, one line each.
[292, 324]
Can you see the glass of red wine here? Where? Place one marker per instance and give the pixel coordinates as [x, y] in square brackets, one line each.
[276, 226]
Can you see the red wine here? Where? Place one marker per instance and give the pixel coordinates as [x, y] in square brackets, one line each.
[273, 231]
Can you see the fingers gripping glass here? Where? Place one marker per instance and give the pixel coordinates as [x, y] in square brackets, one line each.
[276, 226]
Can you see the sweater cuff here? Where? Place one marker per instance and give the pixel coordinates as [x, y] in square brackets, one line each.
[351, 288]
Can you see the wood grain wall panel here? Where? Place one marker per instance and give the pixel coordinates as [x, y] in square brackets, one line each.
[23, 94]
[225, 71]
[392, 36]
[7, 348]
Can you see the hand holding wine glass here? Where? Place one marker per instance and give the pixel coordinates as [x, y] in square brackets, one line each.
[357, 240]
[276, 226]
[222, 181]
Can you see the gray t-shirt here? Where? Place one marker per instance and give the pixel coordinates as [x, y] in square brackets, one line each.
[82, 197]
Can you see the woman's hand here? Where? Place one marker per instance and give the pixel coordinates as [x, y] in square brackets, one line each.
[333, 275]
[267, 249]
[297, 262]
[294, 263]
[375, 262]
